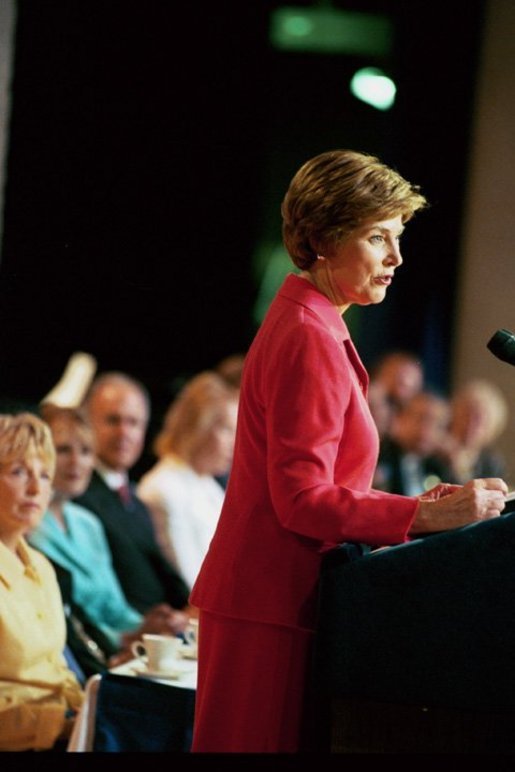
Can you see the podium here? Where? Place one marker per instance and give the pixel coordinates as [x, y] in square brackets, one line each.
[415, 644]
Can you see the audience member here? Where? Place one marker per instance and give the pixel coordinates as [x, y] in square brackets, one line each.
[181, 491]
[230, 368]
[380, 408]
[39, 694]
[74, 540]
[409, 461]
[479, 416]
[118, 408]
[401, 374]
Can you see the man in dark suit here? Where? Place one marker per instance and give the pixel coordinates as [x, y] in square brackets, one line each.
[409, 460]
[118, 407]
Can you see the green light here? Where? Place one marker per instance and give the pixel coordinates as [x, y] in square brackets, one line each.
[375, 88]
[297, 26]
[327, 30]
[271, 264]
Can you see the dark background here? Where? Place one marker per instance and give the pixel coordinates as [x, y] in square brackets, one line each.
[150, 146]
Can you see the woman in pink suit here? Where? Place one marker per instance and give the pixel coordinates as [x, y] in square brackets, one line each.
[305, 454]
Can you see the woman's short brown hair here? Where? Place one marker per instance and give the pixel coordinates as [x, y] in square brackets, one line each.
[25, 434]
[334, 193]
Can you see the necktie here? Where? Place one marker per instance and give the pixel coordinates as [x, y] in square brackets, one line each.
[124, 493]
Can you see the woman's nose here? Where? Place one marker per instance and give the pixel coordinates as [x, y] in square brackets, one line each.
[394, 254]
[75, 457]
[33, 484]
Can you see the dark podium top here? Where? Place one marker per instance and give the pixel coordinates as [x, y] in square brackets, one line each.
[431, 622]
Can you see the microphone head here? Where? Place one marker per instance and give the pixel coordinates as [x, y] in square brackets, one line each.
[502, 345]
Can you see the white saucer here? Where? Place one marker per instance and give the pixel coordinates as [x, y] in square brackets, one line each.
[167, 675]
[188, 652]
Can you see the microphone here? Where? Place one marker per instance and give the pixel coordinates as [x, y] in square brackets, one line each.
[502, 345]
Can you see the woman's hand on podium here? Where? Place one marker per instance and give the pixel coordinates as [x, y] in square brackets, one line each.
[446, 507]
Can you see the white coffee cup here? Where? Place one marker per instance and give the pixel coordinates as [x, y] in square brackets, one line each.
[158, 652]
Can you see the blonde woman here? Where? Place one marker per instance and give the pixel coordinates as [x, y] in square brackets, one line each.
[39, 694]
[479, 417]
[194, 447]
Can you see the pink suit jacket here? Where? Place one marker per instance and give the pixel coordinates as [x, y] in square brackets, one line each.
[306, 450]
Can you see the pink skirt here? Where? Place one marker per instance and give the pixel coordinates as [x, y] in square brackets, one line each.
[252, 682]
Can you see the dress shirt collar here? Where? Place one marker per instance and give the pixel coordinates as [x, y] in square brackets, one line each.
[10, 566]
[111, 477]
[302, 291]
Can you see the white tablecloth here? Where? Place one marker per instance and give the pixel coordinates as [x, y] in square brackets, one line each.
[185, 668]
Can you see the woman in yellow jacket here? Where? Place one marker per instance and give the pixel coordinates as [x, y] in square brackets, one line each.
[39, 694]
